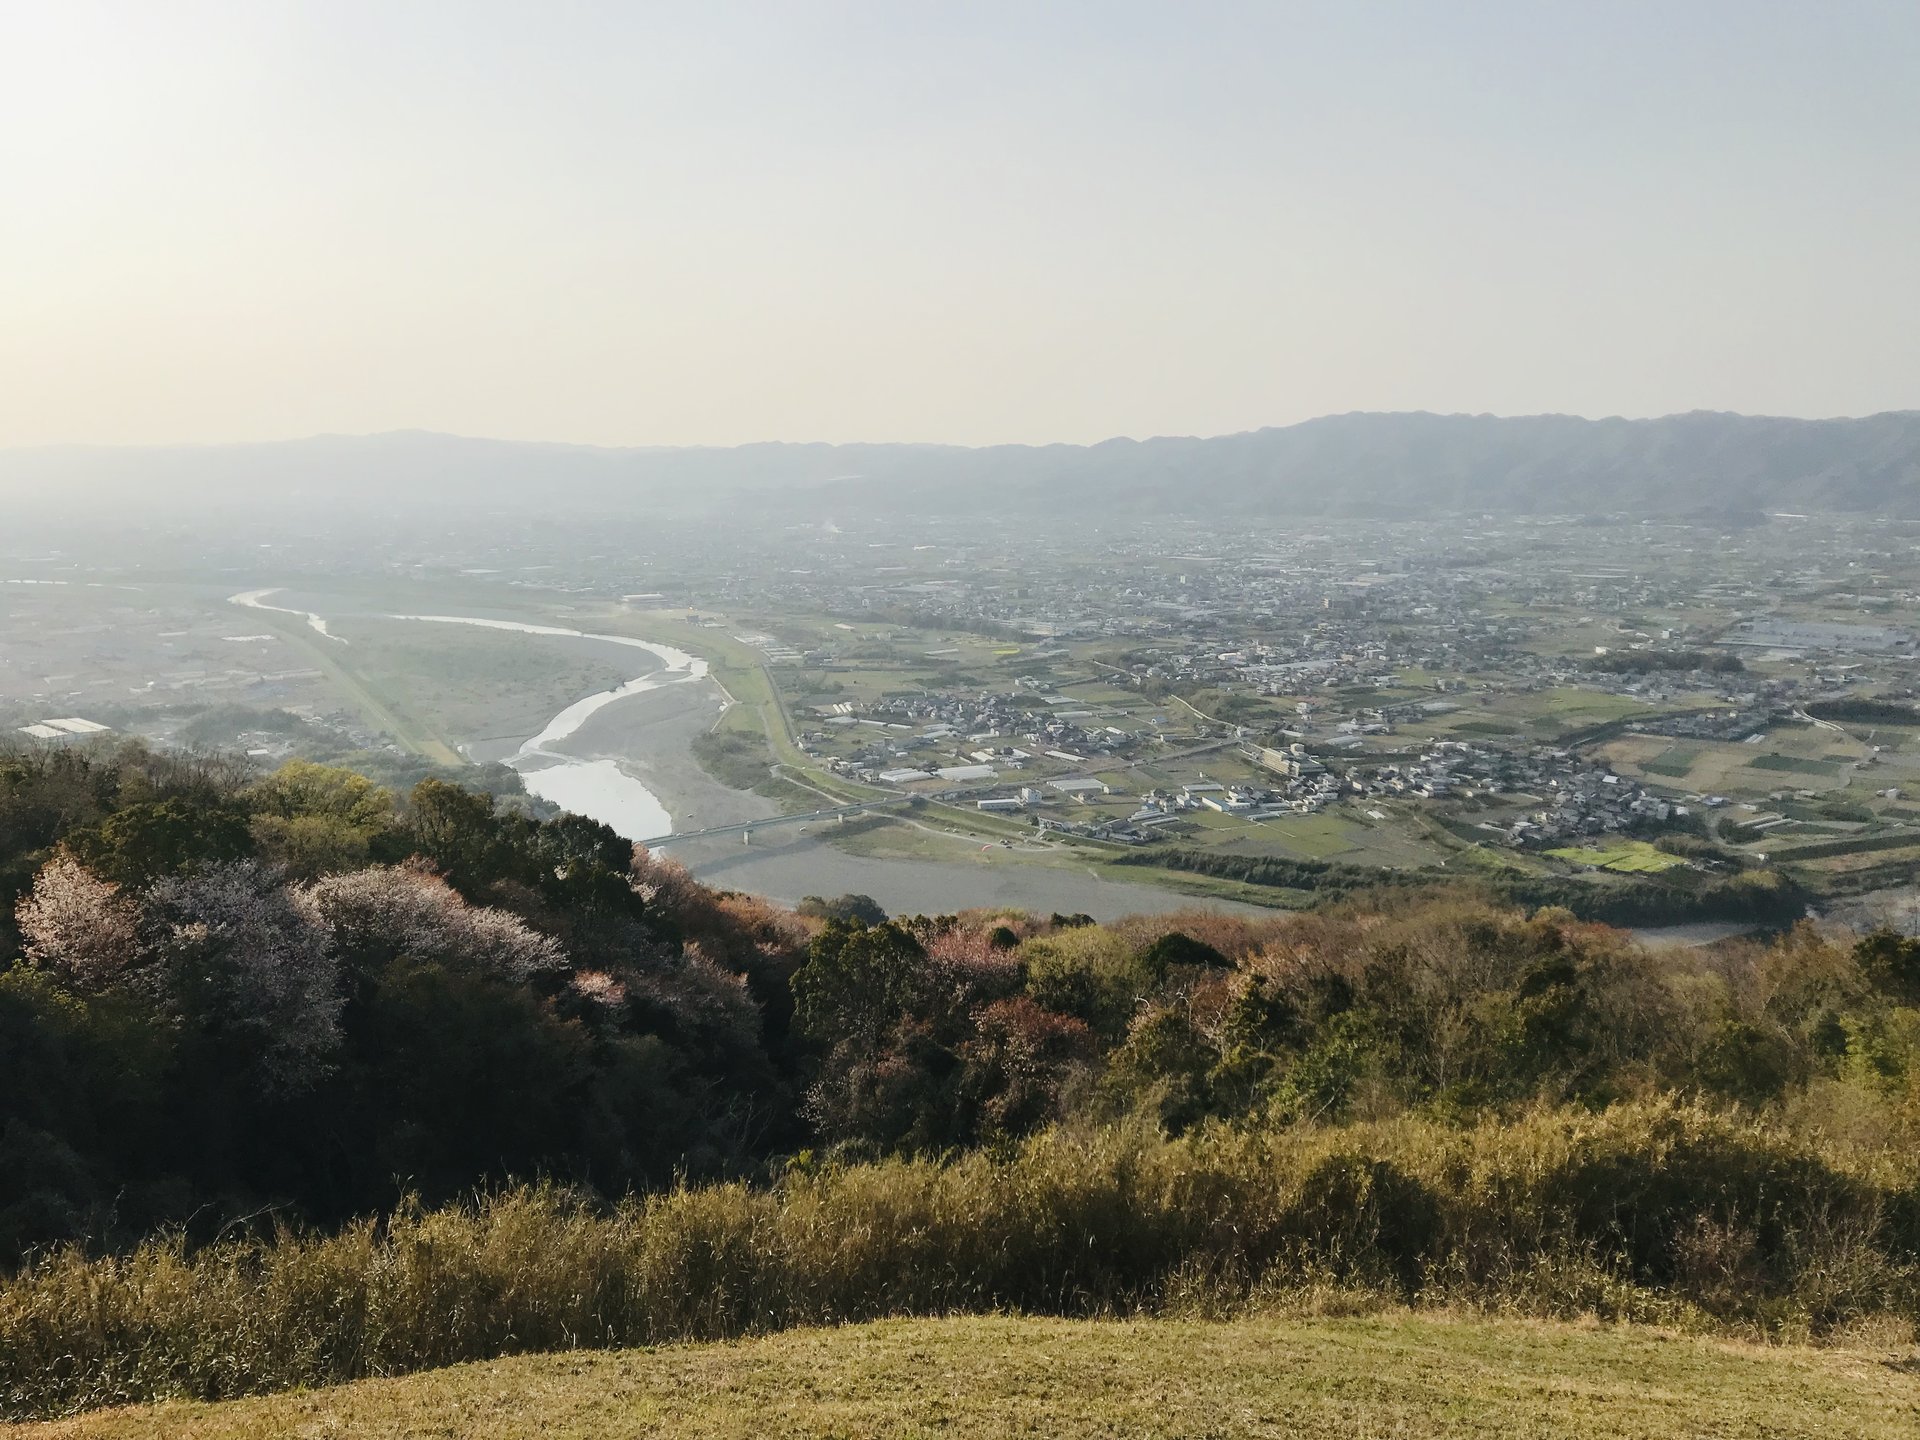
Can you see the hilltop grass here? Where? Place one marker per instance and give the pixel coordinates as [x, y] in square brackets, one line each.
[1394, 1374]
[1647, 1213]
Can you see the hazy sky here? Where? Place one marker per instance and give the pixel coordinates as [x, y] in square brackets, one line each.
[712, 222]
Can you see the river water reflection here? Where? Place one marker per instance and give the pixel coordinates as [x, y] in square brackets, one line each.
[597, 788]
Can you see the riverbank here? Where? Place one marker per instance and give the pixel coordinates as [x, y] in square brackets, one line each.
[786, 863]
[650, 736]
[551, 764]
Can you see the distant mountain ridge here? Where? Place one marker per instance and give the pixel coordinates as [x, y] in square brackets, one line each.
[1379, 464]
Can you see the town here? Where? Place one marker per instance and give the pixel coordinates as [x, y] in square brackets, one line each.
[1548, 696]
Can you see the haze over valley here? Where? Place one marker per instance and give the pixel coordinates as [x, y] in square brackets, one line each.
[1066, 719]
[1381, 465]
[978, 705]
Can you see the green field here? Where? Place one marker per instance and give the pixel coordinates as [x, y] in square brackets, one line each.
[1570, 709]
[1792, 757]
[1628, 857]
[1675, 763]
[1308, 837]
[1795, 764]
[1396, 1375]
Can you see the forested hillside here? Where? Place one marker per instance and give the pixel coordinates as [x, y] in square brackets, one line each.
[243, 1006]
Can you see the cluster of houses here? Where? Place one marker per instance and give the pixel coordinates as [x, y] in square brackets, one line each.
[1578, 797]
[1747, 716]
[972, 749]
[1584, 800]
[978, 737]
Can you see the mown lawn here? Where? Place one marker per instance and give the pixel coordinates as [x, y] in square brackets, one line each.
[1398, 1375]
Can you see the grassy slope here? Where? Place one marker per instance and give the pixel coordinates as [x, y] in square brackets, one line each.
[1398, 1375]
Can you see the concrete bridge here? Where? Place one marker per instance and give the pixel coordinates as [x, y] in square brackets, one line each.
[746, 828]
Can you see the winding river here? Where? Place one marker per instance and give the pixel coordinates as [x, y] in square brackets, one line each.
[256, 600]
[598, 789]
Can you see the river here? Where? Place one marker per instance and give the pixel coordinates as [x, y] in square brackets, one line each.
[597, 787]
[630, 766]
[256, 600]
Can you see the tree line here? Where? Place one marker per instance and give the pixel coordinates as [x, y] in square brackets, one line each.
[228, 998]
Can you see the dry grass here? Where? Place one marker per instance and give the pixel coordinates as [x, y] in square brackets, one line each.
[1650, 1213]
[1396, 1375]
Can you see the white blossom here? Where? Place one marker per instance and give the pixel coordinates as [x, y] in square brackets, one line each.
[240, 954]
[80, 927]
[381, 914]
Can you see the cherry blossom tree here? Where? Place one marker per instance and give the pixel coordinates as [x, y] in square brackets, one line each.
[377, 915]
[242, 961]
[84, 929]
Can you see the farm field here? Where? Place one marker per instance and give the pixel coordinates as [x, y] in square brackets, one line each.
[1566, 709]
[1404, 1375]
[1789, 758]
[1864, 860]
[1627, 857]
[1534, 716]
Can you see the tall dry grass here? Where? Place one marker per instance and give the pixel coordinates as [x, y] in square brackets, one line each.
[1651, 1210]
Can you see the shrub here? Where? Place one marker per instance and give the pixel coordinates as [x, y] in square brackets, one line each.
[863, 908]
[1650, 1209]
